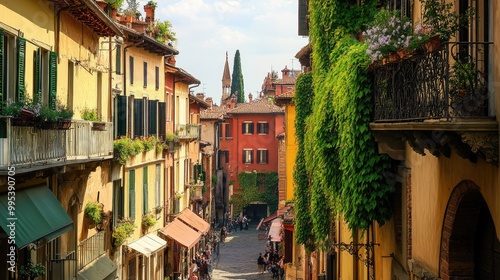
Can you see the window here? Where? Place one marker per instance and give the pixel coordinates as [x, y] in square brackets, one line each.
[157, 78]
[247, 156]
[400, 5]
[145, 72]
[117, 201]
[145, 195]
[262, 128]
[153, 116]
[162, 119]
[131, 67]
[247, 128]
[157, 185]
[228, 131]
[262, 156]
[121, 115]
[118, 61]
[131, 194]
[219, 130]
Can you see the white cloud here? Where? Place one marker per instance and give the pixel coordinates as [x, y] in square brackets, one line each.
[265, 32]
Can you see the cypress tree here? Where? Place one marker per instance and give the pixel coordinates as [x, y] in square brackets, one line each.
[237, 79]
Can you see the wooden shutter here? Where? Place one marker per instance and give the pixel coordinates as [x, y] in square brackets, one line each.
[162, 120]
[303, 18]
[157, 186]
[21, 64]
[138, 118]
[121, 115]
[266, 128]
[52, 80]
[250, 128]
[145, 190]
[37, 85]
[118, 59]
[131, 194]
[153, 118]
[3, 122]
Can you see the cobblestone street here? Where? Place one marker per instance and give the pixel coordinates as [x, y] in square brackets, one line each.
[238, 256]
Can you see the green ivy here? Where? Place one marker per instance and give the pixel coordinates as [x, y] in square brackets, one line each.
[337, 169]
[303, 222]
[255, 186]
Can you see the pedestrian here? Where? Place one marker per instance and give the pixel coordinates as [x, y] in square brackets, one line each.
[193, 267]
[223, 233]
[193, 276]
[281, 265]
[245, 222]
[240, 222]
[260, 263]
[266, 261]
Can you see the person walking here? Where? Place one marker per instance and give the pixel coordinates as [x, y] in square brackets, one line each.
[260, 263]
[223, 234]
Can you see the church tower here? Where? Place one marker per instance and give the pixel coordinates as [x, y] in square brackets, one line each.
[226, 81]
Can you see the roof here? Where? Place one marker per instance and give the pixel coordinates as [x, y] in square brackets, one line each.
[214, 113]
[260, 106]
[285, 81]
[201, 102]
[89, 13]
[147, 42]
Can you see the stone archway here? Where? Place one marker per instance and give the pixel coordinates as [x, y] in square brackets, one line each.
[468, 239]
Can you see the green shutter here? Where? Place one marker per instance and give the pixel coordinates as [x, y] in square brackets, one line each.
[118, 59]
[37, 91]
[152, 116]
[53, 80]
[131, 194]
[121, 116]
[145, 190]
[21, 64]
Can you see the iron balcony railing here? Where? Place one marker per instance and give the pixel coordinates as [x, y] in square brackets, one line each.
[451, 82]
[91, 248]
[64, 268]
[29, 146]
[188, 131]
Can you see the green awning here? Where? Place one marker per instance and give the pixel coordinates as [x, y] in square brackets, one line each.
[99, 269]
[37, 214]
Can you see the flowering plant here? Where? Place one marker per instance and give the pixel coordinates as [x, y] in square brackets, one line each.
[388, 33]
[443, 18]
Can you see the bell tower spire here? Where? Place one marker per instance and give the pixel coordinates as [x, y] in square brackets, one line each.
[226, 80]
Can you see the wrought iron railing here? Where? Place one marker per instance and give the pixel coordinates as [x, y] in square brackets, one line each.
[30, 146]
[449, 83]
[91, 248]
[188, 131]
[64, 268]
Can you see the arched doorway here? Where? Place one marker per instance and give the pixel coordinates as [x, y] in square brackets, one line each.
[469, 245]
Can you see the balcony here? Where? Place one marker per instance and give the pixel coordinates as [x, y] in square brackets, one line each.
[188, 131]
[197, 191]
[437, 101]
[33, 148]
[91, 248]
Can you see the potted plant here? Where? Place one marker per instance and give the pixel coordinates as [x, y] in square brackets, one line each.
[171, 139]
[122, 231]
[148, 220]
[32, 270]
[93, 210]
[92, 115]
[48, 118]
[163, 32]
[467, 92]
[387, 34]
[443, 20]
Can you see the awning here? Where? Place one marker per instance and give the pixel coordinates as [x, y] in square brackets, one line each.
[275, 230]
[279, 213]
[148, 244]
[99, 269]
[37, 215]
[190, 218]
[182, 233]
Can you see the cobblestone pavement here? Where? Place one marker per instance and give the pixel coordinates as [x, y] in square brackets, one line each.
[238, 256]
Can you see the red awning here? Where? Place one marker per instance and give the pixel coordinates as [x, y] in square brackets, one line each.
[279, 213]
[190, 218]
[182, 233]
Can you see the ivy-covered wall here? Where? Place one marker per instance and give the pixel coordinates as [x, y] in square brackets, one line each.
[254, 186]
[338, 169]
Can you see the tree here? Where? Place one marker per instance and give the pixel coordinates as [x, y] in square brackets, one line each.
[237, 86]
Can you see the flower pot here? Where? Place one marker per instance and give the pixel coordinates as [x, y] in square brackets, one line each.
[393, 57]
[26, 113]
[22, 121]
[403, 53]
[63, 124]
[48, 125]
[98, 126]
[434, 44]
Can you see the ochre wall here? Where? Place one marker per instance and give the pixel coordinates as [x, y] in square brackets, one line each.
[291, 149]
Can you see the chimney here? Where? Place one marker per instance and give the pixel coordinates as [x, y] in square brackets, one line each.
[200, 95]
[250, 98]
[149, 8]
[210, 102]
[285, 73]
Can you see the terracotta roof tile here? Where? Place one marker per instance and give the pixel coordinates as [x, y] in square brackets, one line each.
[260, 106]
[213, 113]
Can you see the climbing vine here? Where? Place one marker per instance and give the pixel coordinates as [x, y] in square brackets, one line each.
[303, 224]
[337, 168]
[255, 186]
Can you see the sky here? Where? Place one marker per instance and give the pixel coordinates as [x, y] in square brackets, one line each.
[264, 31]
